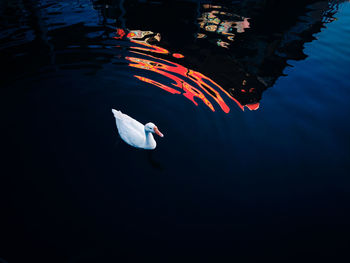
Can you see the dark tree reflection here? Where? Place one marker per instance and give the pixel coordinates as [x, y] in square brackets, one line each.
[244, 46]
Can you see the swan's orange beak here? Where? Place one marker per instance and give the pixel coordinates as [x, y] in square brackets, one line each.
[158, 132]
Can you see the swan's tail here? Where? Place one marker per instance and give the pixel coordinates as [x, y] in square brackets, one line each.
[117, 114]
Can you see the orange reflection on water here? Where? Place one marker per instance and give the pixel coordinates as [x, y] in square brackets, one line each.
[178, 55]
[253, 106]
[190, 92]
[222, 23]
[158, 84]
[208, 85]
[199, 78]
[142, 38]
[151, 48]
[176, 72]
[120, 33]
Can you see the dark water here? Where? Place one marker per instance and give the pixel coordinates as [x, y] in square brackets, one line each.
[252, 97]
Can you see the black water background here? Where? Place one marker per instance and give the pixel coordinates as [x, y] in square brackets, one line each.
[266, 184]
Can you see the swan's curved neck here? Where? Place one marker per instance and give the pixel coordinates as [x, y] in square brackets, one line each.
[150, 142]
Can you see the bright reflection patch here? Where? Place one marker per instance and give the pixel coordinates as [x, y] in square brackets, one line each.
[191, 84]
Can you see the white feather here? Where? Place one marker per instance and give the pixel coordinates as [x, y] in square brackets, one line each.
[133, 132]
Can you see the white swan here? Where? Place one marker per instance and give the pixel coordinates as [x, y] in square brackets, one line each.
[134, 133]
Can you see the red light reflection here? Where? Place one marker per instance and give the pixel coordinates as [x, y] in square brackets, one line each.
[190, 91]
[151, 48]
[120, 33]
[207, 84]
[177, 55]
[160, 85]
[253, 106]
[177, 73]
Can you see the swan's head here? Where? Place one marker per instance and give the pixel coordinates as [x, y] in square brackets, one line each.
[150, 127]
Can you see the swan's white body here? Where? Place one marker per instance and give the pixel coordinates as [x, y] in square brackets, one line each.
[135, 133]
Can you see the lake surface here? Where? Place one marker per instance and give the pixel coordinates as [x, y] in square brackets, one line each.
[252, 97]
